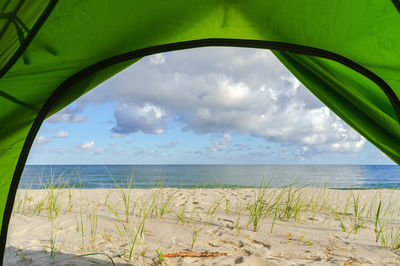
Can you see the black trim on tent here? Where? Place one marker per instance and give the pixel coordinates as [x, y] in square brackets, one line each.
[32, 33]
[58, 92]
[396, 4]
[11, 16]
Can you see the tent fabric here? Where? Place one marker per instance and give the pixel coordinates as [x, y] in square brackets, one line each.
[51, 52]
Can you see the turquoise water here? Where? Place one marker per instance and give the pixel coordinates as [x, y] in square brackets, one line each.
[146, 176]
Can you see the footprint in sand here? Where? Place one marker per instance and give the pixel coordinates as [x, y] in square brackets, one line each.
[214, 243]
[227, 223]
[268, 246]
[238, 244]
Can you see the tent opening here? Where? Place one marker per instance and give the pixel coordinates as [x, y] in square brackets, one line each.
[226, 116]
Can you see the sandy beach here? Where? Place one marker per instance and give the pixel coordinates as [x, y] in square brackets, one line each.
[290, 226]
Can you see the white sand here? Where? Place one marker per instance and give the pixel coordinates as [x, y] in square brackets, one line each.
[313, 237]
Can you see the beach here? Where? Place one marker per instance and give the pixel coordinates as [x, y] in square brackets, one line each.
[201, 226]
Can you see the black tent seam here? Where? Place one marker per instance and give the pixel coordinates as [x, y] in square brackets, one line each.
[63, 87]
[38, 24]
[22, 24]
[396, 4]
[11, 17]
[17, 101]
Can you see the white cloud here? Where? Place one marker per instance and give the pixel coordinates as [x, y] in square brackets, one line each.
[220, 142]
[157, 59]
[62, 134]
[70, 114]
[132, 118]
[66, 118]
[87, 145]
[41, 141]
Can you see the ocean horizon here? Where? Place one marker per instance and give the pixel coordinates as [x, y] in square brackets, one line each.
[212, 176]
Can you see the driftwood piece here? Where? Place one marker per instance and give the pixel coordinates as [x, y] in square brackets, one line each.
[194, 254]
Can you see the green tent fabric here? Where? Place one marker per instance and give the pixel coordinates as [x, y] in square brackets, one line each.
[346, 53]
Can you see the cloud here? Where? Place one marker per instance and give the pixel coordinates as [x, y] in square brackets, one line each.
[140, 152]
[87, 145]
[157, 59]
[117, 135]
[70, 114]
[220, 91]
[62, 134]
[220, 142]
[147, 118]
[172, 144]
[66, 118]
[241, 147]
[53, 150]
[41, 141]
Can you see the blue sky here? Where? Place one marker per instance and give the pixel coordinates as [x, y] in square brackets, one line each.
[201, 106]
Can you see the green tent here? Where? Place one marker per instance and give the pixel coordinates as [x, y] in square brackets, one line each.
[346, 53]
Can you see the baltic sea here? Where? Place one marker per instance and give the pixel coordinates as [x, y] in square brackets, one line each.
[210, 176]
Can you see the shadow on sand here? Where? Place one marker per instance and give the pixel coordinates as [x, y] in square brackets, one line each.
[15, 256]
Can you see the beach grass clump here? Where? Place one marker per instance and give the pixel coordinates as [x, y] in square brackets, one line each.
[278, 204]
[292, 204]
[262, 206]
[390, 237]
[50, 201]
[180, 214]
[166, 203]
[70, 202]
[257, 209]
[55, 246]
[378, 228]
[212, 212]
[24, 204]
[82, 231]
[137, 235]
[195, 233]
[358, 211]
[125, 194]
[93, 221]
[159, 260]
[132, 233]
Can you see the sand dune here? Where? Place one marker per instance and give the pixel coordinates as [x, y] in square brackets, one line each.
[252, 226]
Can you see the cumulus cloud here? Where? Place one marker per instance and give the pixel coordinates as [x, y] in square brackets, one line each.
[41, 141]
[147, 118]
[62, 134]
[221, 91]
[87, 145]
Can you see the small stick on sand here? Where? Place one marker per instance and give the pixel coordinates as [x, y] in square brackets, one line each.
[194, 254]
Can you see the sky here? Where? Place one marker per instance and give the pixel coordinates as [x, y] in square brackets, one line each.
[201, 106]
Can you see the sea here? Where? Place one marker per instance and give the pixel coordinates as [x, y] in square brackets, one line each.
[211, 176]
